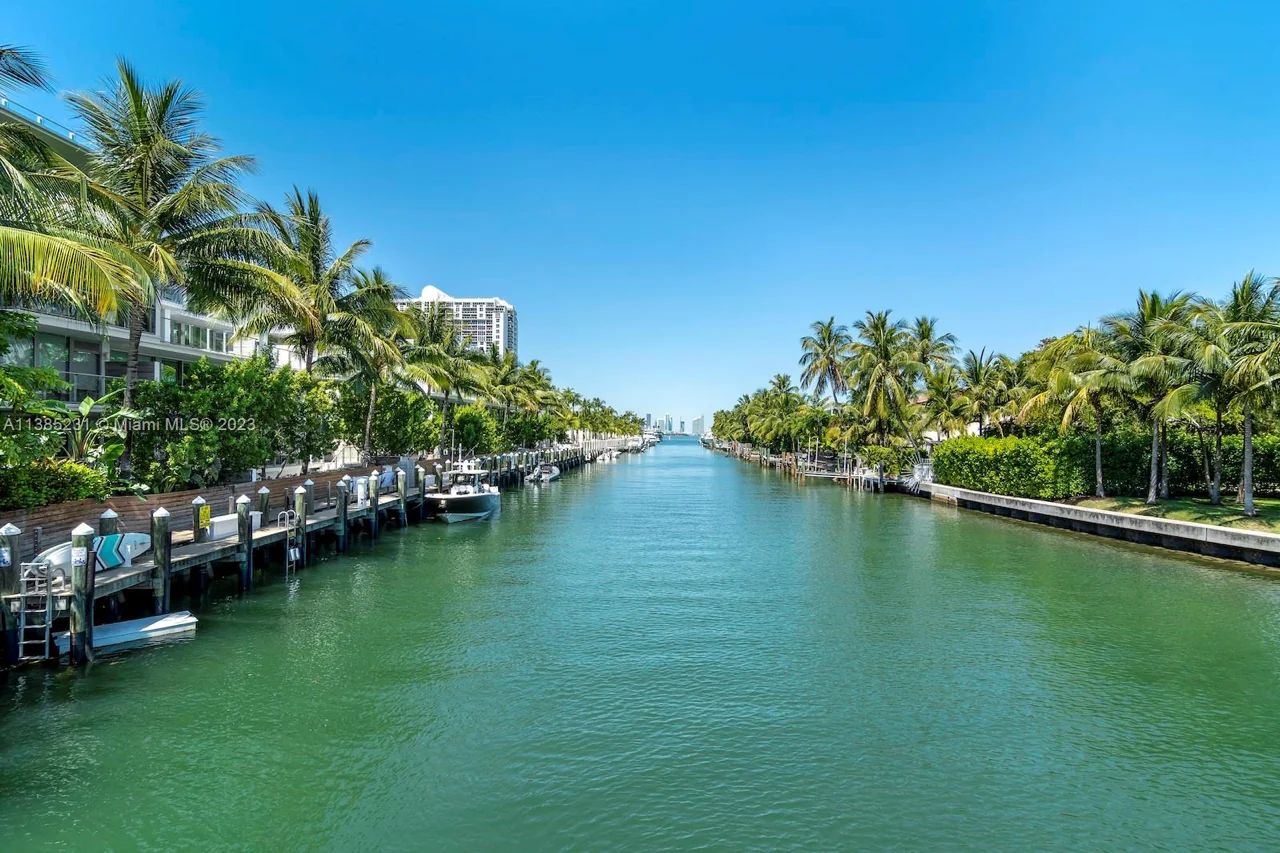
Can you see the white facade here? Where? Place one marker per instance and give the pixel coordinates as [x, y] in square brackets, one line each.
[484, 321]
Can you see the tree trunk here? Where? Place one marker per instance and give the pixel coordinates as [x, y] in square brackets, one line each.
[1164, 462]
[1215, 488]
[1204, 462]
[1097, 459]
[368, 421]
[1154, 482]
[136, 324]
[1247, 474]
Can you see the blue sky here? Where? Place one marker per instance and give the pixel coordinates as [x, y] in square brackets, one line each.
[671, 192]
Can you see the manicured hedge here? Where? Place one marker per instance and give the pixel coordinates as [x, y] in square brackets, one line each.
[1024, 467]
[1053, 467]
[48, 481]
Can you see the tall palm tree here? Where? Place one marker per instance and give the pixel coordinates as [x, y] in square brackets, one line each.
[883, 371]
[983, 385]
[316, 298]
[368, 347]
[1142, 340]
[170, 208]
[825, 351]
[945, 407]
[20, 66]
[442, 359]
[1253, 323]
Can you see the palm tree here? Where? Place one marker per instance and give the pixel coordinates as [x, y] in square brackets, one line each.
[170, 204]
[945, 407]
[825, 351]
[1253, 323]
[368, 347]
[929, 348]
[1142, 341]
[46, 255]
[883, 371]
[316, 297]
[980, 372]
[443, 360]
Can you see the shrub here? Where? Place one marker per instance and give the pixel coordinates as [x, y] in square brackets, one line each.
[1030, 467]
[475, 429]
[403, 420]
[48, 481]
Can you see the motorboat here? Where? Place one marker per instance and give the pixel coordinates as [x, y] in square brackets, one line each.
[136, 632]
[548, 472]
[465, 494]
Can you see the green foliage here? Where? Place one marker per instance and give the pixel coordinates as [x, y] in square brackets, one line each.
[475, 429]
[48, 481]
[527, 429]
[225, 421]
[404, 421]
[894, 459]
[1030, 467]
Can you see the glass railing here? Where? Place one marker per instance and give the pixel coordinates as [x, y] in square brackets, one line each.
[29, 115]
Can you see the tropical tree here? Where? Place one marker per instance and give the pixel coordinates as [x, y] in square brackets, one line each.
[823, 358]
[318, 302]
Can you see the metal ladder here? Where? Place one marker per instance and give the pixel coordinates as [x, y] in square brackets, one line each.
[37, 599]
[288, 521]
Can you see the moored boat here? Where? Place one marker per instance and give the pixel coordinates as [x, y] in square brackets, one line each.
[548, 472]
[464, 495]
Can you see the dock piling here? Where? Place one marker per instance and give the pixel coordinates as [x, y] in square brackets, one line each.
[199, 531]
[300, 510]
[108, 522]
[264, 502]
[10, 568]
[82, 572]
[375, 498]
[310, 486]
[402, 491]
[161, 550]
[422, 490]
[344, 488]
[244, 543]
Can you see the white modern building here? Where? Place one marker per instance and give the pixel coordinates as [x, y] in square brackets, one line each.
[484, 321]
[699, 425]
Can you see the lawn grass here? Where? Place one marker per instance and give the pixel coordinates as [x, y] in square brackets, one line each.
[1226, 514]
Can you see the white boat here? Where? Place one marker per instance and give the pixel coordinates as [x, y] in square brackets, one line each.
[548, 472]
[119, 635]
[465, 495]
[113, 551]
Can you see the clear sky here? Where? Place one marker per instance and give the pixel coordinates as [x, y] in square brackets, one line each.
[671, 192]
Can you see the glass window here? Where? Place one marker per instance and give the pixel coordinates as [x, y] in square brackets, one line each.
[52, 351]
[196, 336]
[171, 371]
[20, 354]
[218, 341]
[175, 333]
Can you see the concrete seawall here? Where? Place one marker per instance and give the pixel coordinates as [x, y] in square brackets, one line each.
[1249, 546]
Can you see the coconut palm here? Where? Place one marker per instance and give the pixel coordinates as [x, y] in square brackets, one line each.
[316, 297]
[883, 370]
[980, 372]
[20, 66]
[443, 360]
[1141, 339]
[367, 346]
[928, 347]
[944, 403]
[825, 351]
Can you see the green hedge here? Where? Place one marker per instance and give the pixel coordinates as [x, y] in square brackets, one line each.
[1025, 467]
[1053, 467]
[49, 481]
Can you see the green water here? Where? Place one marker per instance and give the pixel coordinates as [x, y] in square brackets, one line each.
[680, 650]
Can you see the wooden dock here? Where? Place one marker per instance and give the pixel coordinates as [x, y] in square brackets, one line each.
[192, 558]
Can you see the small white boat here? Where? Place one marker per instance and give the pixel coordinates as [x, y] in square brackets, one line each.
[548, 472]
[119, 635]
[466, 495]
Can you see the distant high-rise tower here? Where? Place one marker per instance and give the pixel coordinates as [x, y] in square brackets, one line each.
[699, 425]
[648, 421]
[682, 424]
[667, 424]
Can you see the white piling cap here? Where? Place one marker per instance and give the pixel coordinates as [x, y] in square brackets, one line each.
[308, 482]
[109, 513]
[301, 490]
[242, 500]
[198, 501]
[264, 491]
[419, 468]
[160, 512]
[346, 478]
[82, 529]
[10, 530]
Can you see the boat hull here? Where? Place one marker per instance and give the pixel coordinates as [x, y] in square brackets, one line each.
[454, 508]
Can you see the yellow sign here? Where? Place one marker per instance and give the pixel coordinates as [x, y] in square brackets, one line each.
[206, 514]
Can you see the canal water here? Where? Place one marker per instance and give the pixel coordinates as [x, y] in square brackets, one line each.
[680, 650]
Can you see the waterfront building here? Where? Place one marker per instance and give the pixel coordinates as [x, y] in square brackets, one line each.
[648, 421]
[699, 425]
[485, 321]
[682, 425]
[667, 424]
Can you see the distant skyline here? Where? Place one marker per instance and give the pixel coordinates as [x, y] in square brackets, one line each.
[670, 194]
